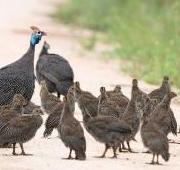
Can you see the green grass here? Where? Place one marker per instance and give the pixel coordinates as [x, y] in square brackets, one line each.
[147, 31]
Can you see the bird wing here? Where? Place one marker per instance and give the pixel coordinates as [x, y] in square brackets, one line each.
[58, 68]
[110, 125]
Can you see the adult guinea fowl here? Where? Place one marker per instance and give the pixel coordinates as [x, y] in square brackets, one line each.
[18, 77]
[55, 70]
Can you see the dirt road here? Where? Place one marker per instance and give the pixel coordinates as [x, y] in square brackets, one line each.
[16, 16]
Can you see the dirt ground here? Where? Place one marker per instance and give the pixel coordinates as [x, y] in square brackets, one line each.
[16, 16]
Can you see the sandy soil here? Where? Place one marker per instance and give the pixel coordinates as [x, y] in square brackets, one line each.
[16, 16]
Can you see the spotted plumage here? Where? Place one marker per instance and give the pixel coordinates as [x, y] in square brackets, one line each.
[19, 77]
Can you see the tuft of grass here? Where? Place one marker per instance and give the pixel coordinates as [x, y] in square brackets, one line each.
[148, 32]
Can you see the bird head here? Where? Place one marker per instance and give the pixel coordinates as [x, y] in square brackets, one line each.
[36, 35]
[46, 45]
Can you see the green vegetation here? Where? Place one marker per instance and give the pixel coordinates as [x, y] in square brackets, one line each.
[147, 31]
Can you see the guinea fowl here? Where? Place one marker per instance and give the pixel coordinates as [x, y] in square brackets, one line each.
[85, 98]
[11, 111]
[154, 139]
[107, 130]
[21, 129]
[53, 119]
[145, 105]
[55, 70]
[163, 116]
[19, 77]
[118, 96]
[29, 108]
[48, 100]
[17, 104]
[159, 93]
[106, 107]
[131, 115]
[70, 130]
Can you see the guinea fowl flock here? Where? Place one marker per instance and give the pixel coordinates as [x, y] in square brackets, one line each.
[110, 118]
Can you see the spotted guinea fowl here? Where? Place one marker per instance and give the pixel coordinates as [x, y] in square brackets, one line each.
[53, 119]
[159, 93]
[108, 130]
[154, 139]
[107, 107]
[18, 77]
[30, 107]
[131, 115]
[48, 100]
[21, 129]
[85, 98]
[55, 70]
[11, 111]
[163, 116]
[17, 104]
[117, 95]
[70, 130]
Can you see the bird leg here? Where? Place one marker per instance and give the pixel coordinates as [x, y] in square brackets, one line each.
[58, 95]
[129, 148]
[120, 149]
[70, 157]
[104, 153]
[22, 149]
[114, 151]
[123, 146]
[152, 162]
[14, 149]
[157, 162]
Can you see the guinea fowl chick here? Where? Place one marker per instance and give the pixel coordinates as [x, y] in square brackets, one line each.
[106, 107]
[159, 93]
[162, 115]
[17, 104]
[155, 140]
[10, 111]
[53, 119]
[145, 105]
[29, 108]
[85, 98]
[107, 130]
[131, 116]
[70, 130]
[48, 100]
[117, 96]
[21, 129]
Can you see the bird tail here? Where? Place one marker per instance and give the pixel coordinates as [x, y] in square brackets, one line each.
[165, 156]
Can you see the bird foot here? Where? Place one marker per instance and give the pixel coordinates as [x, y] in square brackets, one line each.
[15, 154]
[102, 156]
[68, 158]
[132, 151]
[114, 157]
[146, 151]
[25, 154]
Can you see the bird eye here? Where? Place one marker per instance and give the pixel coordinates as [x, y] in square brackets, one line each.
[39, 32]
